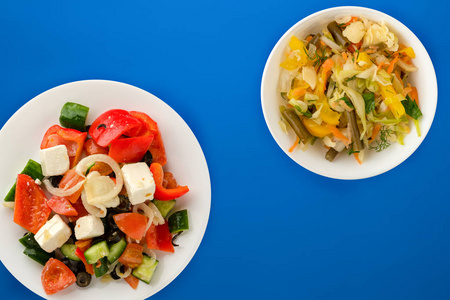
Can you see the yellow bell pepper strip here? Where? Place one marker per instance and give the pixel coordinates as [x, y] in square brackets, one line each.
[364, 57]
[297, 59]
[327, 114]
[408, 52]
[392, 100]
[315, 129]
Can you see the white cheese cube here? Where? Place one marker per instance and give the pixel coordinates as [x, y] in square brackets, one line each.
[139, 182]
[53, 234]
[54, 160]
[88, 227]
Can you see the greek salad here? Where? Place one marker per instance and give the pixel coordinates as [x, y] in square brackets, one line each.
[111, 204]
[348, 86]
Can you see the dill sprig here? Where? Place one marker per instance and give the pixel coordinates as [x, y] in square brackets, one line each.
[383, 142]
[317, 58]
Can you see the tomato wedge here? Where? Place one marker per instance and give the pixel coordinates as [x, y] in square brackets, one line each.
[132, 255]
[132, 281]
[71, 138]
[70, 179]
[159, 238]
[62, 206]
[156, 148]
[56, 276]
[31, 210]
[132, 224]
[91, 147]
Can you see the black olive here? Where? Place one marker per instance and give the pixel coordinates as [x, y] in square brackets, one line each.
[148, 158]
[97, 240]
[110, 223]
[75, 266]
[101, 125]
[124, 205]
[83, 279]
[55, 180]
[114, 275]
[114, 237]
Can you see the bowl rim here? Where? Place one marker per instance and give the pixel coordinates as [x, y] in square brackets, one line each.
[360, 10]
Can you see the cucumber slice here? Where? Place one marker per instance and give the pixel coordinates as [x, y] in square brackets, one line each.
[68, 250]
[73, 115]
[96, 252]
[116, 250]
[146, 269]
[101, 268]
[164, 207]
[178, 221]
[32, 169]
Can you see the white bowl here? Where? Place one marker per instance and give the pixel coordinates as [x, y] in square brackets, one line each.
[345, 167]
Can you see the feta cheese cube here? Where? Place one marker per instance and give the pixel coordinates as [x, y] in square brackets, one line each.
[53, 234]
[139, 182]
[54, 160]
[88, 227]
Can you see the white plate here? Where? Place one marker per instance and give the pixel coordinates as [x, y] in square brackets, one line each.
[23, 134]
[345, 167]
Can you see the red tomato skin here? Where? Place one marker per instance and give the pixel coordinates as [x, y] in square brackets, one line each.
[132, 224]
[62, 206]
[130, 150]
[56, 276]
[132, 281]
[157, 147]
[91, 147]
[70, 179]
[132, 256]
[159, 238]
[162, 193]
[31, 210]
[71, 138]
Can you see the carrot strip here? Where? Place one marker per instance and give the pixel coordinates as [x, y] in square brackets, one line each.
[298, 92]
[297, 140]
[357, 158]
[381, 65]
[414, 95]
[344, 55]
[375, 131]
[353, 19]
[309, 37]
[392, 64]
[406, 91]
[338, 134]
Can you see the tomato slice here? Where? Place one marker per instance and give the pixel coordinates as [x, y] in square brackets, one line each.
[71, 138]
[132, 224]
[70, 179]
[156, 148]
[31, 210]
[132, 255]
[62, 206]
[132, 281]
[159, 238]
[81, 210]
[130, 150]
[56, 276]
[91, 147]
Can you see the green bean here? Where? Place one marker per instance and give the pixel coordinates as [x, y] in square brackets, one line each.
[314, 40]
[336, 32]
[354, 130]
[296, 124]
[331, 154]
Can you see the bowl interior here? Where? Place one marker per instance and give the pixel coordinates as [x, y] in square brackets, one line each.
[345, 167]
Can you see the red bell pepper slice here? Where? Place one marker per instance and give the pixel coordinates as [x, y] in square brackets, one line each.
[112, 124]
[162, 193]
[132, 224]
[71, 138]
[70, 179]
[132, 255]
[31, 210]
[62, 206]
[130, 150]
[151, 128]
[80, 255]
[159, 238]
[56, 276]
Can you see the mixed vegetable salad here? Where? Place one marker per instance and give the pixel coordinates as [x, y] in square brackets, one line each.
[348, 86]
[111, 203]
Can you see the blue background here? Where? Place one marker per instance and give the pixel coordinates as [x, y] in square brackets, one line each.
[276, 229]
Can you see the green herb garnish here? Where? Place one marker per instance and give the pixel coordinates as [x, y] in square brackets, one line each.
[348, 102]
[351, 150]
[350, 78]
[306, 113]
[317, 58]
[383, 142]
[411, 108]
[369, 100]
